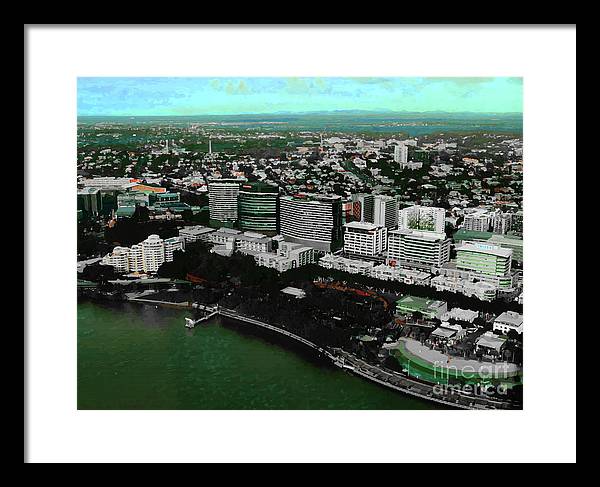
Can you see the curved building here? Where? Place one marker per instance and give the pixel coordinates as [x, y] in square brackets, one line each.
[258, 207]
[312, 220]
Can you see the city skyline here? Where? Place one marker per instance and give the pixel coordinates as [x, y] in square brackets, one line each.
[151, 96]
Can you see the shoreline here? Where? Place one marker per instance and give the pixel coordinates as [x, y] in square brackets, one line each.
[422, 390]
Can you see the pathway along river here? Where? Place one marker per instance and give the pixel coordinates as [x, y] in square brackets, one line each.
[132, 356]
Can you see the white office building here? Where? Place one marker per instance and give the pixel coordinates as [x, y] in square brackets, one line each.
[236, 240]
[312, 220]
[423, 218]
[223, 199]
[385, 211]
[196, 233]
[419, 250]
[482, 258]
[288, 256]
[366, 239]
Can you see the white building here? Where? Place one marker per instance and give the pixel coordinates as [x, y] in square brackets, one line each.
[406, 276]
[351, 266]
[118, 258]
[366, 239]
[109, 183]
[507, 321]
[171, 245]
[312, 220]
[505, 283]
[483, 258]
[223, 199]
[385, 211]
[477, 220]
[415, 249]
[147, 256]
[196, 233]
[401, 154]
[153, 253]
[236, 240]
[459, 314]
[501, 222]
[484, 291]
[423, 218]
[288, 256]
[136, 258]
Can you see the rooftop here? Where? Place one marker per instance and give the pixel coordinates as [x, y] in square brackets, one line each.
[489, 340]
[362, 226]
[511, 318]
[483, 248]
[419, 233]
[294, 291]
[416, 303]
[443, 332]
[196, 230]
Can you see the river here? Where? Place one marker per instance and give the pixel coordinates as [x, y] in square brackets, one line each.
[132, 356]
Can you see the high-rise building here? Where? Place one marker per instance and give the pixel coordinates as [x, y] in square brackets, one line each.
[258, 206]
[312, 220]
[361, 238]
[482, 258]
[89, 200]
[517, 221]
[477, 220]
[416, 249]
[118, 258]
[423, 218]
[147, 256]
[153, 253]
[501, 222]
[136, 258]
[385, 211]
[223, 200]
[401, 154]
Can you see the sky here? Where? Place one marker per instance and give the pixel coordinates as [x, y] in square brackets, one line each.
[228, 96]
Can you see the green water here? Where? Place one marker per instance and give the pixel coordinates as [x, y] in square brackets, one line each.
[139, 357]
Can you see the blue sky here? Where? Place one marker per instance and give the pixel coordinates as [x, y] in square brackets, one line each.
[215, 96]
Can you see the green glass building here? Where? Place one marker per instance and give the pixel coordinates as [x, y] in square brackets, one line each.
[258, 207]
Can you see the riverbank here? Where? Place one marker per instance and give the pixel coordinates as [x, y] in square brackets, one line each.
[133, 356]
[451, 397]
[454, 397]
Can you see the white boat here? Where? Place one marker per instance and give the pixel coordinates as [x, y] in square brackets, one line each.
[189, 323]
